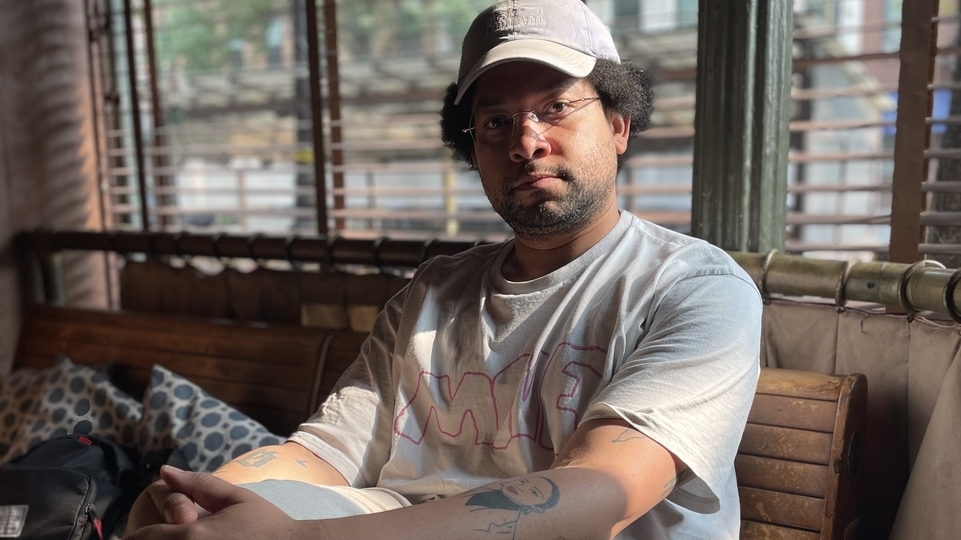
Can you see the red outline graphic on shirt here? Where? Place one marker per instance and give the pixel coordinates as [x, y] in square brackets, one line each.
[528, 390]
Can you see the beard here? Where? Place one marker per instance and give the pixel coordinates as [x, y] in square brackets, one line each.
[548, 216]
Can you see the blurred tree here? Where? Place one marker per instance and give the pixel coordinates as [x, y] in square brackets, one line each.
[378, 28]
[201, 35]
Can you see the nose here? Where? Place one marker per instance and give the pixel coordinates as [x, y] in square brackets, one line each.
[527, 140]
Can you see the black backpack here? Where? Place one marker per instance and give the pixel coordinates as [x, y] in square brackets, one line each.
[70, 488]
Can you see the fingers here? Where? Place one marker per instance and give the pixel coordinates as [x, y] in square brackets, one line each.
[179, 509]
[207, 490]
[157, 532]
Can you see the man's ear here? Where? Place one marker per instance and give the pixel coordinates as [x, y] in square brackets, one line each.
[621, 127]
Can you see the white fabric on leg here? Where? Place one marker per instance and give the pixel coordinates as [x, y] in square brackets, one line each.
[304, 501]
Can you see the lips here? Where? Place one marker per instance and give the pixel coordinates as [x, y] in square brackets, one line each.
[512, 489]
[532, 180]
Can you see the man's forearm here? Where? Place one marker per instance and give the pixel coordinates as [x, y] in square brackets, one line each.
[569, 503]
[288, 461]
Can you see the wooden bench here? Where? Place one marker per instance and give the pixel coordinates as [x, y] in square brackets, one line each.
[797, 465]
[277, 374]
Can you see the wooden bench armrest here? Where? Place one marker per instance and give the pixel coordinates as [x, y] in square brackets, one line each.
[798, 462]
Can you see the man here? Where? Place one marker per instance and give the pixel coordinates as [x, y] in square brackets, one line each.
[589, 379]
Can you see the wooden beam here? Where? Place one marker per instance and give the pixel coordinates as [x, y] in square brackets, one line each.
[918, 35]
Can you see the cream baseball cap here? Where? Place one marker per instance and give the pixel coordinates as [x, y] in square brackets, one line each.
[563, 34]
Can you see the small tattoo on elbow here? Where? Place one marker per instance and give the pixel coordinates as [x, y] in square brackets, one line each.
[682, 478]
[669, 487]
[629, 434]
[258, 458]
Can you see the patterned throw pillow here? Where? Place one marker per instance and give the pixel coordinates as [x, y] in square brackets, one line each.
[209, 433]
[17, 394]
[68, 399]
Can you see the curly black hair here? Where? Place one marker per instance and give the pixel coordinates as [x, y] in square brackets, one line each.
[624, 88]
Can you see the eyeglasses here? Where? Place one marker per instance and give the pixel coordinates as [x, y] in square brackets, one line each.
[499, 128]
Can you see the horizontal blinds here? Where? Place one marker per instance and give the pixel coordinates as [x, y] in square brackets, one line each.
[941, 218]
[230, 152]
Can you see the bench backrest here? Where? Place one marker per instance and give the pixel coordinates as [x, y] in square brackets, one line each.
[798, 462]
[276, 374]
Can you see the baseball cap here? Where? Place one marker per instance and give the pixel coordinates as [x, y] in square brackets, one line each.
[563, 34]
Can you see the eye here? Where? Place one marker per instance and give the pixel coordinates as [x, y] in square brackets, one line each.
[557, 108]
[496, 122]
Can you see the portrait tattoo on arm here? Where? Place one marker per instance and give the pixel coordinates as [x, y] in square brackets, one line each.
[520, 495]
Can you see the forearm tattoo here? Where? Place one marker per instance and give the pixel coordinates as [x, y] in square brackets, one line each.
[629, 434]
[512, 500]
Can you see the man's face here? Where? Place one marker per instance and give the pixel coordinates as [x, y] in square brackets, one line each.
[547, 180]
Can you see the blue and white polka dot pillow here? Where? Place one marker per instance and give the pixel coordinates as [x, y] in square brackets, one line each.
[63, 400]
[209, 433]
[17, 394]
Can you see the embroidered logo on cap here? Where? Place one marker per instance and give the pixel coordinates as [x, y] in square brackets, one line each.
[504, 20]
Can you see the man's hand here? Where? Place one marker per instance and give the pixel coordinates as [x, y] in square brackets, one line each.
[228, 511]
[158, 504]
[288, 461]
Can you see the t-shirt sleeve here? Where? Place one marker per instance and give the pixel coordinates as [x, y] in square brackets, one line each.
[351, 430]
[690, 382]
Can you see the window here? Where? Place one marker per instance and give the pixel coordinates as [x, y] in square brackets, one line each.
[224, 114]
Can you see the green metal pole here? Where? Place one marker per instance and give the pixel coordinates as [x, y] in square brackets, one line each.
[741, 123]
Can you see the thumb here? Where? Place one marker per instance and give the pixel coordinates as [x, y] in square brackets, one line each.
[210, 492]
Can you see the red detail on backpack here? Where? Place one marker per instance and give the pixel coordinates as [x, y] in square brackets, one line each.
[84, 440]
[98, 526]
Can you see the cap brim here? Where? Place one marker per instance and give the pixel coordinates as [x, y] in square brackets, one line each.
[559, 57]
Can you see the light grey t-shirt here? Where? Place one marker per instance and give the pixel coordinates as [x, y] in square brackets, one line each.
[468, 378]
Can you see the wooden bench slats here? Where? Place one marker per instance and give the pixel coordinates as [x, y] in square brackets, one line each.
[286, 350]
[269, 372]
[782, 508]
[177, 324]
[781, 475]
[800, 384]
[753, 530]
[792, 461]
[341, 353]
[809, 414]
[236, 393]
[282, 375]
[281, 421]
[244, 392]
[786, 443]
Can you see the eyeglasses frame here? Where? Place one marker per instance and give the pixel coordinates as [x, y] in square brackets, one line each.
[531, 113]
